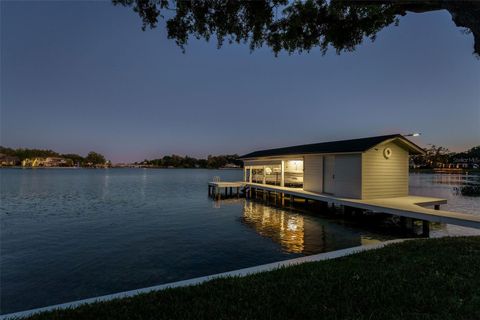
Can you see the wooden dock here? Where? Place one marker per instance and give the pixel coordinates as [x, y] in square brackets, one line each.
[413, 207]
[215, 189]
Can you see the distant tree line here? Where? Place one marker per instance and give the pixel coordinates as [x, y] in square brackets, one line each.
[472, 153]
[438, 156]
[93, 158]
[23, 154]
[96, 159]
[176, 161]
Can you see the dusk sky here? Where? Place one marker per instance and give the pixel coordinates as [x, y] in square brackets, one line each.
[82, 76]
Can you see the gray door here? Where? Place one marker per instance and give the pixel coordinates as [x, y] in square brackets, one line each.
[329, 174]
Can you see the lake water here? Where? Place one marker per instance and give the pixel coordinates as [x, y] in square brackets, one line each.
[68, 234]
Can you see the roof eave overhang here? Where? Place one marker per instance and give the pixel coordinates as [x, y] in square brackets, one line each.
[412, 148]
[296, 155]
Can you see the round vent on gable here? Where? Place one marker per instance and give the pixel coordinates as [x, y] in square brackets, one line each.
[387, 152]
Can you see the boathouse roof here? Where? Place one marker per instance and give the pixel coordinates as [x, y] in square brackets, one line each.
[342, 146]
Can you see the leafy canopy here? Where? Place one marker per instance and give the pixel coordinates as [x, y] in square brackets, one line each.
[292, 26]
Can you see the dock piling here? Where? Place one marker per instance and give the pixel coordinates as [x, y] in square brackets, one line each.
[425, 228]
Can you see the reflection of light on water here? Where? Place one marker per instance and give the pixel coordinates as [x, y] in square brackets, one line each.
[106, 183]
[291, 226]
[280, 226]
[455, 179]
[217, 204]
[143, 184]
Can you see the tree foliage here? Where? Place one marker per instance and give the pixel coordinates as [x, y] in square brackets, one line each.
[23, 153]
[292, 26]
[472, 153]
[72, 158]
[75, 158]
[212, 162]
[94, 158]
[436, 156]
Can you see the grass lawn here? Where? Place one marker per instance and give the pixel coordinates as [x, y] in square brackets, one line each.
[421, 279]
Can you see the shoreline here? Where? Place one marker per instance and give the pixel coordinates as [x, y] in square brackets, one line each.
[274, 288]
[199, 280]
[34, 168]
[411, 171]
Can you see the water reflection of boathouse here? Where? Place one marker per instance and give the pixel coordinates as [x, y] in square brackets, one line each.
[297, 233]
[285, 228]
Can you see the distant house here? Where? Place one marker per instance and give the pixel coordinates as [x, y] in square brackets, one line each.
[6, 160]
[467, 163]
[367, 168]
[55, 162]
[34, 162]
[231, 166]
[27, 162]
[47, 162]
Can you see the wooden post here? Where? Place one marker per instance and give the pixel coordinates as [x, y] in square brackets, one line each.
[425, 228]
[282, 198]
[409, 223]
[238, 192]
[264, 181]
[209, 190]
[250, 175]
[403, 223]
[282, 177]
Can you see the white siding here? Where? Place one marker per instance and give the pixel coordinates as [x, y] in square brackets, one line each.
[329, 174]
[382, 177]
[313, 173]
[348, 176]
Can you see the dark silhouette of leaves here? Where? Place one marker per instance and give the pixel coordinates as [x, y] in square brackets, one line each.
[292, 27]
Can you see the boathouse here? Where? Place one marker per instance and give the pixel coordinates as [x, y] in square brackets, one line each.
[366, 168]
